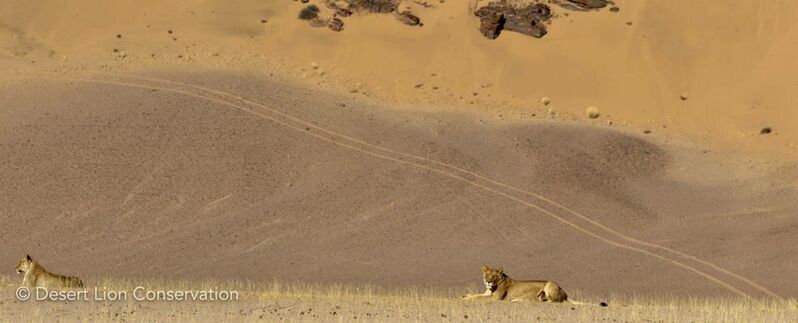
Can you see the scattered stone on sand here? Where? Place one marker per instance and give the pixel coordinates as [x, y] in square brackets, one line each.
[264, 20]
[335, 24]
[337, 8]
[551, 112]
[545, 100]
[581, 5]
[345, 8]
[765, 131]
[647, 131]
[310, 12]
[408, 18]
[118, 35]
[419, 85]
[314, 65]
[628, 23]
[317, 23]
[592, 112]
[528, 20]
[615, 9]
[356, 88]
[684, 96]
[377, 6]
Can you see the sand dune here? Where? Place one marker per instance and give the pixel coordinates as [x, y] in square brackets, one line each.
[130, 176]
[219, 139]
[732, 59]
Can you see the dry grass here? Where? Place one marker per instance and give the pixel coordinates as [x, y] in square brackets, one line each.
[296, 301]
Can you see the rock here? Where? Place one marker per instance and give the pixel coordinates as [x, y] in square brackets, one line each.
[592, 112]
[376, 6]
[408, 18]
[615, 9]
[335, 24]
[765, 131]
[309, 12]
[581, 5]
[528, 20]
[545, 100]
[318, 23]
[684, 96]
[337, 9]
[491, 24]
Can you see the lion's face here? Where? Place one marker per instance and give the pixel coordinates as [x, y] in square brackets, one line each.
[492, 277]
[23, 264]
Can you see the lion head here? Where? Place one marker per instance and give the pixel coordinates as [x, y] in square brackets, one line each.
[24, 263]
[492, 277]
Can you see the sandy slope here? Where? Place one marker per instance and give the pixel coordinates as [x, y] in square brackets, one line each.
[733, 59]
[163, 179]
[136, 177]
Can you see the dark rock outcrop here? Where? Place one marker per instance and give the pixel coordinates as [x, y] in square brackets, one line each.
[336, 9]
[309, 13]
[377, 6]
[528, 20]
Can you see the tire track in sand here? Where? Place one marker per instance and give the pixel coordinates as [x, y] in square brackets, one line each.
[462, 170]
[466, 176]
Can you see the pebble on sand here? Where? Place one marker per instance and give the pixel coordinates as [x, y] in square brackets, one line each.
[684, 96]
[545, 100]
[592, 112]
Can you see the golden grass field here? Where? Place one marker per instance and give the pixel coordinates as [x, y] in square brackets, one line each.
[298, 301]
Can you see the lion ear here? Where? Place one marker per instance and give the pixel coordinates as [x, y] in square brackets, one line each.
[29, 258]
[485, 268]
[500, 269]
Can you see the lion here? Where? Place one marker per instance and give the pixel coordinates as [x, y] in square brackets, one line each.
[499, 286]
[37, 276]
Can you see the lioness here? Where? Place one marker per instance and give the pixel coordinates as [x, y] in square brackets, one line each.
[37, 276]
[499, 286]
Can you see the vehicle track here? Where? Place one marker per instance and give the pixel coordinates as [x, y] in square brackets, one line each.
[449, 170]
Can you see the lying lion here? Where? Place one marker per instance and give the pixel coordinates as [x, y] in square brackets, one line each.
[37, 276]
[499, 287]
